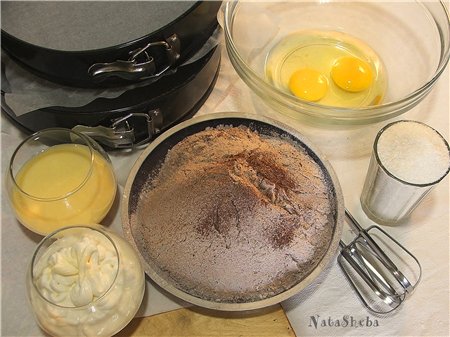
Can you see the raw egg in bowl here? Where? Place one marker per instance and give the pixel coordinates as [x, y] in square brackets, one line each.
[338, 62]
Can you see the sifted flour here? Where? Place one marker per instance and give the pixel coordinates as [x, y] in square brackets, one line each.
[234, 216]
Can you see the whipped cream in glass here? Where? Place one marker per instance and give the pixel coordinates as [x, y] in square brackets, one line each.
[85, 281]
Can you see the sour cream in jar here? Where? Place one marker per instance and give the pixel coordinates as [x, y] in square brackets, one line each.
[84, 281]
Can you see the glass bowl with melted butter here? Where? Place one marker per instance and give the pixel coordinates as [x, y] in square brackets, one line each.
[338, 62]
[58, 177]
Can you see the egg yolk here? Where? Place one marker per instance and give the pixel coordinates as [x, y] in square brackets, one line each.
[308, 84]
[352, 74]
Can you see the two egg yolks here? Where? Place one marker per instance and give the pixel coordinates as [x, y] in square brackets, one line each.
[348, 73]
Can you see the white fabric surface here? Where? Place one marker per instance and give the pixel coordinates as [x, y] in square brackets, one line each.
[426, 233]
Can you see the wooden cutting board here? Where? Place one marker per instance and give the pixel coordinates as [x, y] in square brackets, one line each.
[196, 321]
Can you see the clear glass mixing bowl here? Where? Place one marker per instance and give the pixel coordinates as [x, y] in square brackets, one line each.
[411, 38]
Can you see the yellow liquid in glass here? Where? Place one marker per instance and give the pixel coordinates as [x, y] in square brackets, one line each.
[63, 187]
[323, 52]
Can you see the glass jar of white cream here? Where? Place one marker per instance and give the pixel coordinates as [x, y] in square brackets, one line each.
[84, 281]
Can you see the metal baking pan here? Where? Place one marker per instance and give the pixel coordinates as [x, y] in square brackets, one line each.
[138, 115]
[150, 161]
[104, 43]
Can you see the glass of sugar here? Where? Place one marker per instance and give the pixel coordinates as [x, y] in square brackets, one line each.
[409, 158]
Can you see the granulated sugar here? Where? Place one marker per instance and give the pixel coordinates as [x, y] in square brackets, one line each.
[233, 216]
[413, 152]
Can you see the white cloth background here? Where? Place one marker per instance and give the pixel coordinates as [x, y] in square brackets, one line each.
[348, 149]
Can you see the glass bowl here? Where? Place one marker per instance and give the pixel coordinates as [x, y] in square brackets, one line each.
[58, 177]
[411, 38]
[84, 281]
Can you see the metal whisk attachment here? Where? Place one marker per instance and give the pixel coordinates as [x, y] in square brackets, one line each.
[382, 272]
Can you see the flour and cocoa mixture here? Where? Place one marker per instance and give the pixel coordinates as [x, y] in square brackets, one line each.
[235, 216]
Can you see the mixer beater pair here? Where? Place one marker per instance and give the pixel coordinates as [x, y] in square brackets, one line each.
[381, 271]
